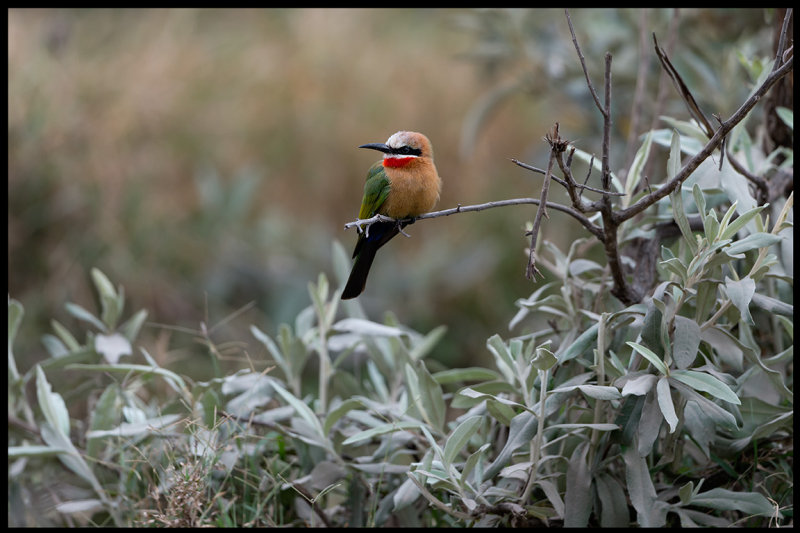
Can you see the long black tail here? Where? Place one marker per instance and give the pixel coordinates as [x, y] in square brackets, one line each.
[379, 234]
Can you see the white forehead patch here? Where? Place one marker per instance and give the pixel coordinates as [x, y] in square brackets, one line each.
[401, 138]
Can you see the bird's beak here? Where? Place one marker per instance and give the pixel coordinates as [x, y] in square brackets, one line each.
[381, 147]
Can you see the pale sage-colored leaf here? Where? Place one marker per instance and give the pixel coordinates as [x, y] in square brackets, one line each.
[503, 359]
[51, 403]
[367, 328]
[649, 424]
[705, 407]
[55, 348]
[650, 356]
[459, 438]
[706, 383]
[635, 173]
[337, 410]
[786, 115]
[112, 346]
[544, 359]
[302, 409]
[405, 495]
[131, 327]
[69, 455]
[270, 345]
[737, 187]
[143, 427]
[772, 305]
[598, 427]
[82, 314]
[649, 511]
[613, 504]
[741, 221]
[65, 336]
[752, 242]
[585, 341]
[431, 397]
[17, 452]
[651, 325]
[665, 403]
[685, 492]
[172, 378]
[427, 343]
[581, 266]
[578, 495]
[476, 394]
[326, 474]
[381, 430]
[711, 226]
[456, 375]
[724, 345]
[80, 506]
[522, 429]
[111, 301]
[103, 284]
[749, 503]
[686, 341]
[726, 218]
[699, 199]
[472, 462]
[639, 385]
[740, 293]
[600, 392]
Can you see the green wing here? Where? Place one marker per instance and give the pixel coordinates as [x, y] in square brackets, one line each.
[376, 189]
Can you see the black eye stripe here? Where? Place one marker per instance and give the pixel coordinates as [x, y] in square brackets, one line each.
[407, 150]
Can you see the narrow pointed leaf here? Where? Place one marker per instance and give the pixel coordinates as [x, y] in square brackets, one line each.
[459, 438]
[650, 356]
[51, 403]
[706, 383]
[665, 403]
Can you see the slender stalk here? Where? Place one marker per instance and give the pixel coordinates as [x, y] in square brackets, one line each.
[544, 377]
[600, 370]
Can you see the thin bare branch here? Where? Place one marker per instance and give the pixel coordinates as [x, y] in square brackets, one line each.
[691, 165]
[557, 145]
[606, 177]
[583, 220]
[565, 183]
[780, 57]
[683, 90]
[583, 64]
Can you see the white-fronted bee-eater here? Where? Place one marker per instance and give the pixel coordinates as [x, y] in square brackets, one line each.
[403, 185]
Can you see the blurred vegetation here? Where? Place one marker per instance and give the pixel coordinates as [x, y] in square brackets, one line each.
[206, 161]
[206, 158]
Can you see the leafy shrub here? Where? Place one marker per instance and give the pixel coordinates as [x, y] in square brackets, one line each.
[675, 409]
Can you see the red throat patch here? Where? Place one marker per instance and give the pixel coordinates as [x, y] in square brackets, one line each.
[395, 162]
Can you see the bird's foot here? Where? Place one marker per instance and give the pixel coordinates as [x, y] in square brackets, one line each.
[403, 223]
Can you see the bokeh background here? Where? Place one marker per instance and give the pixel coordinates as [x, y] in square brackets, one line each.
[206, 160]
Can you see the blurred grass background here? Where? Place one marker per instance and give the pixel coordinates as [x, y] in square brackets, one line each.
[206, 159]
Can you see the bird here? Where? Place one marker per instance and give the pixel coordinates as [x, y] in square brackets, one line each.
[403, 185]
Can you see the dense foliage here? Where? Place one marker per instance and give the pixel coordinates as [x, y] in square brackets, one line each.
[675, 410]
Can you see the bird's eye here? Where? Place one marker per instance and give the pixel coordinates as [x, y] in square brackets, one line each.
[408, 150]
